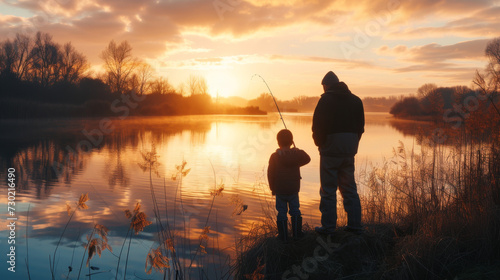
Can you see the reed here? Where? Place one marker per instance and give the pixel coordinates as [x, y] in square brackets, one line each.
[81, 204]
[432, 214]
[26, 260]
[173, 234]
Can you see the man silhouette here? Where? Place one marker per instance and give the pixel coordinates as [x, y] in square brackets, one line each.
[338, 124]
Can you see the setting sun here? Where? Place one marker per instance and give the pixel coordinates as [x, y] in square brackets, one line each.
[223, 83]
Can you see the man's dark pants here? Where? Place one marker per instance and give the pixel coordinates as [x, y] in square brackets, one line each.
[338, 172]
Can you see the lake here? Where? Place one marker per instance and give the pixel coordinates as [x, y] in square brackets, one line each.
[56, 162]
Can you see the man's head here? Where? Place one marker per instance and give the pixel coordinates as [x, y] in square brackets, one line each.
[329, 80]
[285, 138]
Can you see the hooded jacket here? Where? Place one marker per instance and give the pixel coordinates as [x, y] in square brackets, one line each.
[283, 172]
[338, 122]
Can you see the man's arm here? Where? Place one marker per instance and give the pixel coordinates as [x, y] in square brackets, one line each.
[271, 173]
[318, 123]
[361, 124]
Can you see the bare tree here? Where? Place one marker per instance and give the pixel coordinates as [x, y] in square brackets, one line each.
[41, 60]
[161, 86]
[425, 90]
[192, 84]
[489, 81]
[197, 85]
[493, 55]
[15, 56]
[143, 74]
[45, 60]
[8, 56]
[74, 64]
[181, 88]
[119, 64]
[24, 45]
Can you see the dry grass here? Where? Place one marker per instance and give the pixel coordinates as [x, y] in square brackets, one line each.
[428, 215]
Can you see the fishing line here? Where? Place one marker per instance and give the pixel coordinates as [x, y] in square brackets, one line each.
[274, 99]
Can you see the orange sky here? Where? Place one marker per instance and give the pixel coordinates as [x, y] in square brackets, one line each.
[378, 48]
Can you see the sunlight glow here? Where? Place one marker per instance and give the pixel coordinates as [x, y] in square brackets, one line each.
[223, 83]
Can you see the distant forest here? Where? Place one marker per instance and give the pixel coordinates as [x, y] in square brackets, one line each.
[40, 78]
[459, 103]
[308, 103]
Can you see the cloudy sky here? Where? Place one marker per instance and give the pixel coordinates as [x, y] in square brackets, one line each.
[379, 48]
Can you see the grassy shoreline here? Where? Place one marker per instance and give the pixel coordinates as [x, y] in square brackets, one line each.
[432, 215]
[384, 251]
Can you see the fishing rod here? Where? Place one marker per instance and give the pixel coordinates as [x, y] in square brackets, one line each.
[275, 103]
[274, 99]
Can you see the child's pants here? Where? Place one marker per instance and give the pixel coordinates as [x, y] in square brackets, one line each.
[286, 203]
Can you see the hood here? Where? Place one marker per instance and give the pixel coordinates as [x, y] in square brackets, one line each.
[340, 87]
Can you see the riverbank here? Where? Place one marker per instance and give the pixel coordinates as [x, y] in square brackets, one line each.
[428, 215]
[151, 106]
[384, 251]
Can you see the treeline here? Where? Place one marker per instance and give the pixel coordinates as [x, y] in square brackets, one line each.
[42, 78]
[454, 110]
[298, 104]
[458, 103]
[431, 101]
[308, 103]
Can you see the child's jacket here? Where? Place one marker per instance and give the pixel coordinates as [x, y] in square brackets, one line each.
[283, 172]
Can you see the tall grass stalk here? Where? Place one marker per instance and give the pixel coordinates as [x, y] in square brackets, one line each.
[121, 251]
[79, 205]
[97, 242]
[216, 192]
[168, 233]
[27, 261]
[70, 267]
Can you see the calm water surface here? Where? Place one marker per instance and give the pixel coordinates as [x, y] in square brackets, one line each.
[57, 161]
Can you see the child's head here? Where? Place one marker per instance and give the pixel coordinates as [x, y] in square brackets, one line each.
[285, 138]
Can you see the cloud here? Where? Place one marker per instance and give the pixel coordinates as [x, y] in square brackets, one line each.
[209, 60]
[435, 53]
[8, 19]
[435, 67]
[240, 17]
[229, 61]
[235, 18]
[208, 63]
[349, 64]
[454, 63]
[155, 28]
[483, 22]
[444, 7]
